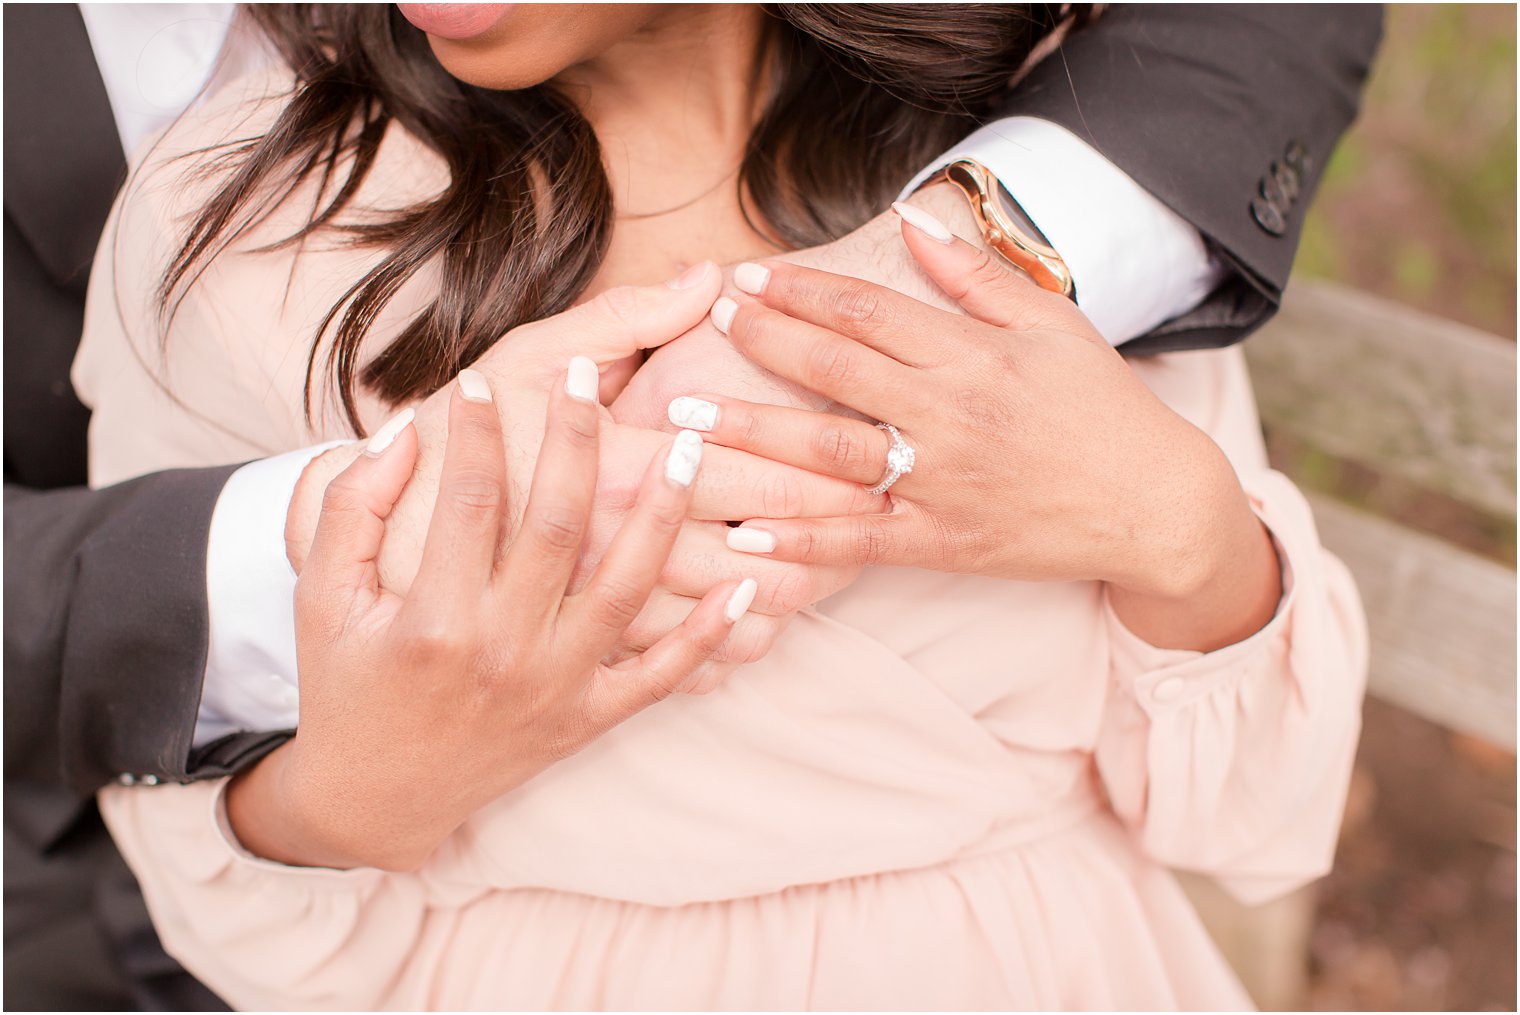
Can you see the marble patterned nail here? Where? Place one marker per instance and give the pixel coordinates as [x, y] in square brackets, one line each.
[685, 455]
[693, 413]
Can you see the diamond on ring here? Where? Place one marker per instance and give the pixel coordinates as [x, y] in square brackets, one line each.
[900, 458]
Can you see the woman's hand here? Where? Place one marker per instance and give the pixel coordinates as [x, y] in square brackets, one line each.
[522, 368]
[416, 711]
[1040, 454]
[703, 357]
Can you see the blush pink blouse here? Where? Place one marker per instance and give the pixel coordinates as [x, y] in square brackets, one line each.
[938, 791]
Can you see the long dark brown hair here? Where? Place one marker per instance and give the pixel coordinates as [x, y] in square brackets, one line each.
[863, 95]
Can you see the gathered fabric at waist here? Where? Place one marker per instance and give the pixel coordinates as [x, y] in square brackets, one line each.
[833, 758]
[1016, 833]
[1058, 913]
[673, 869]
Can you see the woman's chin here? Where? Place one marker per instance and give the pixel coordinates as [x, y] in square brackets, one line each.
[485, 69]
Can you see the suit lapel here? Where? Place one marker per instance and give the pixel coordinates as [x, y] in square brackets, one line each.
[63, 159]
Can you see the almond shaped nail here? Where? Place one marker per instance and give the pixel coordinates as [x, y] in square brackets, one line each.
[923, 222]
[474, 387]
[387, 434]
[751, 540]
[740, 599]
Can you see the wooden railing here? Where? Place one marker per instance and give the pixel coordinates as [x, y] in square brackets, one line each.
[1430, 406]
[1420, 413]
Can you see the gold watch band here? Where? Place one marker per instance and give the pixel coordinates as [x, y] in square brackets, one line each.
[1031, 254]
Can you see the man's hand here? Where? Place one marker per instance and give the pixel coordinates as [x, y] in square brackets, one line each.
[703, 359]
[522, 368]
[416, 710]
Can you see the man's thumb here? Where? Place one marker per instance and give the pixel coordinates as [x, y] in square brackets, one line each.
[627, 319]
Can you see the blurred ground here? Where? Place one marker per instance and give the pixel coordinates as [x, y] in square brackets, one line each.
[1419, 912]
[1418, 206]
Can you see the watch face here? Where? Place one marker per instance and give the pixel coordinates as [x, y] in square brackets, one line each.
[1015, 211]
[1007, 228]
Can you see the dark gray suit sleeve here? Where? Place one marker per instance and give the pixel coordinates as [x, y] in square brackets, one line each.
[1196, 103]
[106, 632]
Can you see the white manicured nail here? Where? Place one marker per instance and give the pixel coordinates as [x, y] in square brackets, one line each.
[474, 387]
[693, 413]
[723, 313]
[685, 455]
[923, 222]
[583, 379]
[387, 434]
[751, 278]
[751, 540]
[739, 600]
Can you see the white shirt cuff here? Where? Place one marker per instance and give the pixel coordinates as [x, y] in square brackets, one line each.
[250, 595]
[1135, 262]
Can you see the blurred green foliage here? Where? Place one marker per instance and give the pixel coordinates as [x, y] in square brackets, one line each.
[1418, 203]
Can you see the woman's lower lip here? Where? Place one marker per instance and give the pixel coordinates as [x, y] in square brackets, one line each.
[454, 21]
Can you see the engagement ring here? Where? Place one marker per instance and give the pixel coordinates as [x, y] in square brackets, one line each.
[900, 458]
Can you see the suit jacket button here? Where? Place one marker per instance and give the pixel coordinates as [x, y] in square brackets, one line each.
[1287, 178]
[127, 779]
[1297, 156]
[1273, 191]
[1268, 216]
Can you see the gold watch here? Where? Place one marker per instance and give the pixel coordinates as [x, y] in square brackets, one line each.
[1007, 229]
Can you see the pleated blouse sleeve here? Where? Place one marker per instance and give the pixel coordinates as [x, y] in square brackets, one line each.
[1235, 763]
[262, 935]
